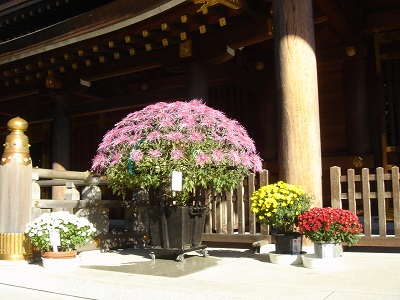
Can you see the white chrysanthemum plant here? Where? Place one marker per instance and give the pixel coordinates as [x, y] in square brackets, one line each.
[200, 144]
[60, 231]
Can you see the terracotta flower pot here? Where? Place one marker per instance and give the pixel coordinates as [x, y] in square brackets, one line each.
[62, 254]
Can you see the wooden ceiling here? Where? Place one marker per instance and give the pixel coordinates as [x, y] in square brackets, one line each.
[110, 55]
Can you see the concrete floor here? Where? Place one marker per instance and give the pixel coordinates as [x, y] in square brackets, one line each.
[227, 273]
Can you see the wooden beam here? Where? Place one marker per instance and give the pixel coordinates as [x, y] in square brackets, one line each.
[341, 53]
[382, 21]
[105, 19]
[234, 238]
[379, 241]
[354, 13]
[337, 19]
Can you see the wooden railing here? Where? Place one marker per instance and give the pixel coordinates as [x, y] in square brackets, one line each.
[375, 198]
[229, 220]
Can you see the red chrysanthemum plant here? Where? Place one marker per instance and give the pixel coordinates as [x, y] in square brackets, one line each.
[330, 225]
[207, 148]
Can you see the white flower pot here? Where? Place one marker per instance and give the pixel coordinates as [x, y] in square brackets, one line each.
[61, 260]
[327, 250]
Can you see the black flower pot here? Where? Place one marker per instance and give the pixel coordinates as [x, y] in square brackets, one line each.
[288, 243]
[176, 227]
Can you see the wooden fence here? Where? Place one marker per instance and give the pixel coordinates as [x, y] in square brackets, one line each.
[375, 198]
[230, 218]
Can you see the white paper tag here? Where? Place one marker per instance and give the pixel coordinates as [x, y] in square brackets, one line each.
[296, 246]
[55, 239]
[176, 181]
[327, 250]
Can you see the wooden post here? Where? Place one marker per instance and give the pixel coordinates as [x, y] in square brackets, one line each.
[15, 193]
[61, 141]
[297, 93]
[197, 82]
[366, 192]
[336, 188]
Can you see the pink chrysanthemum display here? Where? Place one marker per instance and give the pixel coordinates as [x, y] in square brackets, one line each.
[144, 148]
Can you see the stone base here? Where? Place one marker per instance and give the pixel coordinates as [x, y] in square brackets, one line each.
[312, 262]
[286, 259]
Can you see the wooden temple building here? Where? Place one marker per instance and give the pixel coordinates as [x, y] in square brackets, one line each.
[315, 82]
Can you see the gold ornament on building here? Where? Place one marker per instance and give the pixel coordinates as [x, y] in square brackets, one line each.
[351, 51]
[357, 162]
[185, 49]
[234, 4]
[259, 65]
[17, 144]
[52, 82]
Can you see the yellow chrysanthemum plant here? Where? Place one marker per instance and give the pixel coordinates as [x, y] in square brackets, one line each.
[279, 205]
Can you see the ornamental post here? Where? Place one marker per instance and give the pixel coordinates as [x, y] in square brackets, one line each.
[15, 193]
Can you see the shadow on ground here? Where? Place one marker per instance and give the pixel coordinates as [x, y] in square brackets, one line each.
[164, 265]
[138, 261]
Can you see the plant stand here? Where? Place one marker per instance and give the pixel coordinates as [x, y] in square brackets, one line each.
[178, 253]
[176, 230]
[285, 259]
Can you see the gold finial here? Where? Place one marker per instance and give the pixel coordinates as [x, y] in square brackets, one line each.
[17, 143]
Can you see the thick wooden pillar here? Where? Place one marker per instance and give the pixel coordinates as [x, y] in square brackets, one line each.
[297, 92]
[61, 140]
[197, 87]
[358, 128]
[15, 193]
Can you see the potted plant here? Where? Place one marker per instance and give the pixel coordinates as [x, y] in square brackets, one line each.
[58, 234]
[176, 148]
[329, 227]
[279, 205]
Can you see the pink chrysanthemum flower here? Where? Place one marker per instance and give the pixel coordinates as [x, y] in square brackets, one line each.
[153, 136]
[155, 153]
[166, 122]
[136, 155]
[177, 154]
[187, 122]
[234, 156]
[201, 159]
[196, 136]
[174, 136]
[218, 156]
[115, 158]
